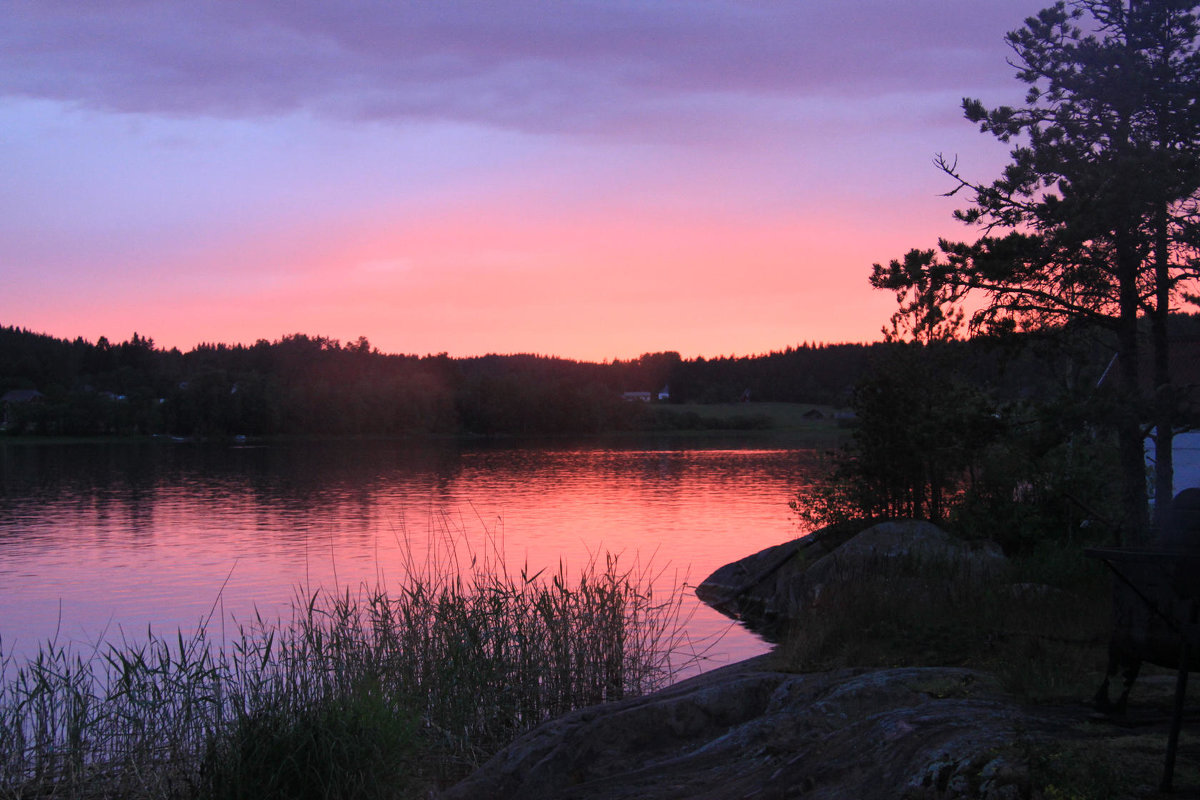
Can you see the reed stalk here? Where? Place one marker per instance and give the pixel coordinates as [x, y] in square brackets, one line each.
[361, 693]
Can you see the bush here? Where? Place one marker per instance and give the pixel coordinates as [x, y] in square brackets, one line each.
[927, 445]
[1035, 625]
[917, 436]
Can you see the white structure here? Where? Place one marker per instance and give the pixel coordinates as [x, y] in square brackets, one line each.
[1186, 450]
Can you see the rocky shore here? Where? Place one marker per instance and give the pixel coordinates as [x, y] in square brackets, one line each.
[765, 589]
[753, 730]
[747, 731]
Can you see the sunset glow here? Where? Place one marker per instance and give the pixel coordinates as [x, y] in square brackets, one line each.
[589, 180]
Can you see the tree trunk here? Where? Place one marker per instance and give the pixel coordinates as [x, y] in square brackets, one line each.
[1131, 456]
[1164, 398]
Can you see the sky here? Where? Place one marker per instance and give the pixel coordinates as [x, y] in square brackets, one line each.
[591, 180]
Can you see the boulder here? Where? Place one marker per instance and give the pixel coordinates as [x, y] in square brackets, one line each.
[765, 590]
[753, 730]
[745, 730]
[749, 589]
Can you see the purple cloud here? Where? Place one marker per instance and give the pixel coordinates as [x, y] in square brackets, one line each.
[532, 66]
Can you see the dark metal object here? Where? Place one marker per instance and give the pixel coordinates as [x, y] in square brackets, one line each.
[1166, 581]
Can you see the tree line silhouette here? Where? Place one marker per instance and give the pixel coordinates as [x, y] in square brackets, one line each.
[302, 384]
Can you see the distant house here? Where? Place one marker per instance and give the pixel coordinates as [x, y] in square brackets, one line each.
[22, 396]
[845, 419]
[16, 397]
[646, 397]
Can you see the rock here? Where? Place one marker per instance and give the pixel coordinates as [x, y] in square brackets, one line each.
[749, 589]
[767, 589]
[749, 730]
[746, 730]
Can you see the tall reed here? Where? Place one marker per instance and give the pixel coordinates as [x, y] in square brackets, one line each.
[367, 693]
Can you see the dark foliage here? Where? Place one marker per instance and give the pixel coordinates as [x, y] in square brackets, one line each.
[319, 386]
[995, 438]
[315, 385]
[1093, 220]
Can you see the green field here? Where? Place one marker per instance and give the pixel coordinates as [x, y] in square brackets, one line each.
[765, 419]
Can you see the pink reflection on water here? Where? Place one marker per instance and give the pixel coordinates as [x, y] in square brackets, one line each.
[168, 539]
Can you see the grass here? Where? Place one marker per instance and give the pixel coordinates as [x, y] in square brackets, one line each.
[769, 418]
[367, 694]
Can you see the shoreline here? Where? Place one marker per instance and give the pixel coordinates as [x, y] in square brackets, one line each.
[772, 728]
[786, 420]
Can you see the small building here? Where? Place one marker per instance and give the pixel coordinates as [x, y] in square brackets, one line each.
[1187, 460]
[1185, 452]
[15, 397]
[22, 396]
[845, 419]
[636, 397]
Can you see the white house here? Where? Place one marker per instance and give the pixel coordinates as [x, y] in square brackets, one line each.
[1186, 451]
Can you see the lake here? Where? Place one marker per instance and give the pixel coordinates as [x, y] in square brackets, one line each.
[102, 541]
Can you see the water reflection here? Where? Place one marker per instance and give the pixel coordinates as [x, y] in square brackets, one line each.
[97, 540]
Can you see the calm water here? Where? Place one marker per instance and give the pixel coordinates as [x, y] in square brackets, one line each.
[101, 541]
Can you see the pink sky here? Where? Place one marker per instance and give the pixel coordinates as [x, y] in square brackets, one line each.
[592, 180]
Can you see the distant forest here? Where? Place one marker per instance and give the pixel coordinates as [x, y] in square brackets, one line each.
[316, 385]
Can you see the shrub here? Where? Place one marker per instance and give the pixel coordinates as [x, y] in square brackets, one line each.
[1035, 625]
